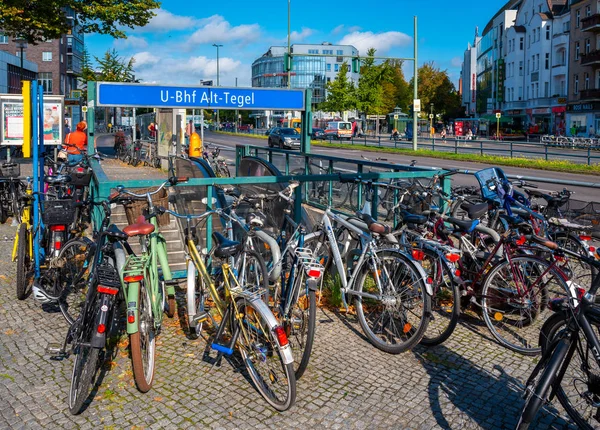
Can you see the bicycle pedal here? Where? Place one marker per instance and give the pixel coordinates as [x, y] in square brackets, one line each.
[55, 350]
[200, 318]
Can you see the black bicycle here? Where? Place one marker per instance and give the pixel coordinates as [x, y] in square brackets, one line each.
[570, 365]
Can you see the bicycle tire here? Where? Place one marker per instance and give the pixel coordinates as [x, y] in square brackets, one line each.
[575, 379]
[15, 207]
[445, 302]
[300, 324]
[223, 171]
[194, 299]
[143, 341]
[258, 345]
[519, 331]
[379, 328]
[3, 213]
[74, 258]
[578, 270]
[23, 262]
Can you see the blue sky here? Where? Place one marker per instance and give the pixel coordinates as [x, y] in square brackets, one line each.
[176, 46]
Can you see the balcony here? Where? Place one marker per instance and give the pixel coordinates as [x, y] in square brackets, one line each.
[591, 59]
[591, 23]
[560, 39]
[559, 70]
[593, 94]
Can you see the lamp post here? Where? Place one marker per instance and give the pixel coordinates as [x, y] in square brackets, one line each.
[431, 121]
[288, 50]
[218, 46]
[21, 45]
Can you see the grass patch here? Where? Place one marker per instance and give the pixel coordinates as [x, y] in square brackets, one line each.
[530, 163]
[7, 376]
[254, 136]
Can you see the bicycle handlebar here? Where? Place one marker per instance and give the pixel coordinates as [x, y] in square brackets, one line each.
[172, 181]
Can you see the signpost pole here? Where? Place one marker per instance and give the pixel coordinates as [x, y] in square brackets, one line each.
[91, 104]
[306, 123]
[415, 88]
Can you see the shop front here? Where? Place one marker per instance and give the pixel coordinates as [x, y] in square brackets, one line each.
[539, 120]
[559, 125]
[582, 116]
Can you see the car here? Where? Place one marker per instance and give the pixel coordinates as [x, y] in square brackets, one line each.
[317, 133]
[269, 131]
[284, 137]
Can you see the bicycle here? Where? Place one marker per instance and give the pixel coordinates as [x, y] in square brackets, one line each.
[22, 252]
[11, 188]
[146, 296]
[570, 364]
[242, 319]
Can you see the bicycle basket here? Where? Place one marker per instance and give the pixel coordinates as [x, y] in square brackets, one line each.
[140, 207]
[80, 176]
[11, 170]
[488, 179]
[57, 212]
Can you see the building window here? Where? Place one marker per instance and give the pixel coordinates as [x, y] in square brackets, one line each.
[18, 54]
[576, 51]
[520, 68]
[328, 67]
[46, 56]
[328, 51]
[546, 89]
[537, 62]
[45, 79]
[547, 61]
[528, 40]
[588, 11]
[313, 51]
[576, 84]
[586, 81]
[587, 46]
[340, 52]
[62, 60]
[597, 78]
[547, 32]
[336, 67]
[577, 20]
[3, 39]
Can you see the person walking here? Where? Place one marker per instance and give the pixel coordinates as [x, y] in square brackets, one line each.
[76, 143]
[574, 130]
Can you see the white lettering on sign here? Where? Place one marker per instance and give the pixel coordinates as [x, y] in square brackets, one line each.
[189, 97]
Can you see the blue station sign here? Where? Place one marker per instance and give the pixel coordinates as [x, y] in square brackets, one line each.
[141, 95]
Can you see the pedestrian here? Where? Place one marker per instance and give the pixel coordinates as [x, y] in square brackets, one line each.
[574, 130]
[152, 130]
[592, 134]
[189, 128]
[109, 127]
[76, 143]
[138, 132]
[66, 129]
[443, 134]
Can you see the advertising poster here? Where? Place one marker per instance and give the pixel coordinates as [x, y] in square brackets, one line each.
[52, 123]
[12, 123]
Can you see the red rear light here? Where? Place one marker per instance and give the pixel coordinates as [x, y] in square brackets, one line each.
[521, 241]
[281, 336]
[430, 280]
[314, 273]
[57, 245]
[580, 292]
[133, 278]
[58, 227]
[453, 258]
[80, 169]
[101, 328]
[457, 272]
[418, 254]
[585, 238]
[592, 249]
[130, 317]
[107, 290]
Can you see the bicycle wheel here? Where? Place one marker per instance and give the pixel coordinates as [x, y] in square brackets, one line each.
[300, 324]
[143, 341]
[23, 262]
[578, 390]
[445, 302]
[85, 366]
[260, 350]
[539, 383]
[514, 298]
[73, 260]
[252, 274]
[195, 300]
[16, 207]
[223, 171]
[393, 314]
[577, 270]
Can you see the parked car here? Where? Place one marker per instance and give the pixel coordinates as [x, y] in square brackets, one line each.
[339, 130]
[269, 131]
[317, 133]
[284, 138]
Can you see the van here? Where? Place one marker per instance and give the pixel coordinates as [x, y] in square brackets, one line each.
[293, 123]
[339, 130]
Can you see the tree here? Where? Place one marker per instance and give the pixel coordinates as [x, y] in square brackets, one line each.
[36, 21]
[435, 87]
[370, 98]
[396, 91]
[113, 68]
[340, 93]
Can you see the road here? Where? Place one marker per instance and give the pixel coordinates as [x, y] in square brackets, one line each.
[581, 193]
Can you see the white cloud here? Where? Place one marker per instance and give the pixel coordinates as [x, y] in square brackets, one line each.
[299, 37]
[144, 59]
[382, 42]
[338, 29]
[216, 29]
[456, 62]
[166, 21]
[131, 42]
[354, 28]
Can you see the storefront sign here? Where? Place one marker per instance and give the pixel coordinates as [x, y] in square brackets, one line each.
[541, 111]
[581, 107]
[559, 109]
[561, 100]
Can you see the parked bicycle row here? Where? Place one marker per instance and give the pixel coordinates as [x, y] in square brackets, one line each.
[571, 142]
[253, 294]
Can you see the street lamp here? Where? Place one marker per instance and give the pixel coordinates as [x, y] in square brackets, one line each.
[21, 45]
[431, 121]
[218, 46]
[288, 50]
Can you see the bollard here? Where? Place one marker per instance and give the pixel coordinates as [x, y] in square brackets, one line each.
[455, 145]
[433, 144]
[481, 147]
[195, 149]
[589, 156]
[546, 152]
[511, 149]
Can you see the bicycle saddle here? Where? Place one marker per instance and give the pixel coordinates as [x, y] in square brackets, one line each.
[464, 225]
[57, 179]
[374, 225]
[116, 232]
[141, 227]
[544, 242]
[7, 165]
[476, 210]
[225, 247]
[408, 218]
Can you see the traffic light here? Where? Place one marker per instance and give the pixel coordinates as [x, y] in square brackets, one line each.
[287, 62]
[355, 65]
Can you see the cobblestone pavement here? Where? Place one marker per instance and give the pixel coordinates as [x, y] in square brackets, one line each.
[467, 383]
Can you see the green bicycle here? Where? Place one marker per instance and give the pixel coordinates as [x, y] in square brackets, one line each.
[144, 291]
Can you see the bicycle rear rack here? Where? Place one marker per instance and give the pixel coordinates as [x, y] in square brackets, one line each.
[311, 266]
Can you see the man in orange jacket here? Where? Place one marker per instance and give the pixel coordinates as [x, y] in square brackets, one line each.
[76, 143]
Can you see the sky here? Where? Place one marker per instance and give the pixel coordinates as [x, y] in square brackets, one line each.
[176, 46]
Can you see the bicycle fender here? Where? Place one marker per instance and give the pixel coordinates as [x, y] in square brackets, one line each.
[133, 289]
[275, 272]
[313, 284]
[258, 303]
[99, 339]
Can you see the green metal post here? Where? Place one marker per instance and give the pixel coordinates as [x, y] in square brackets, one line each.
[209, 197]
[446, 184]
[91, 117]
[330, 190]
[306, 123]
[375, 202]
[415, 89]
[298, 205]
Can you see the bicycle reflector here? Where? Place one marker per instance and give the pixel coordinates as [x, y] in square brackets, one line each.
[101, 328]
[314, 273]
[585, 238]
[521, 241]
[107, 290]
[133, 278]
[281, 336]
[418, 254]
[453, 258]
[130, 317]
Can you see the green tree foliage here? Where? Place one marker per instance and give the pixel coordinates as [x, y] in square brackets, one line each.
[435, 87]
[396, 91]
[112, 68]
[340, 93]
[370, 92]
[40, 20]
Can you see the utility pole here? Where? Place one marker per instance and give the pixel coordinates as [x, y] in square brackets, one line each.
[218, 46]
[288, 50]
[415, 89]
[236, 112]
